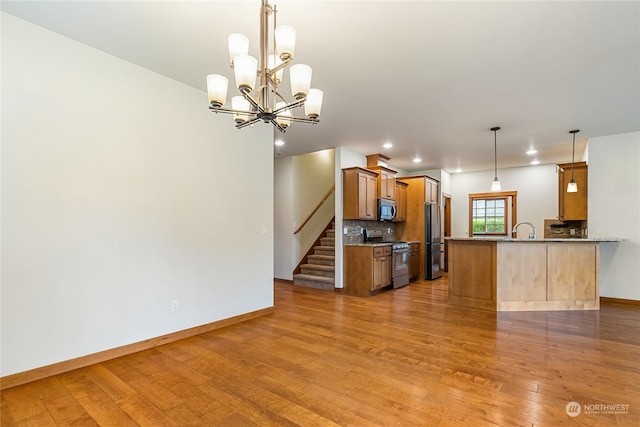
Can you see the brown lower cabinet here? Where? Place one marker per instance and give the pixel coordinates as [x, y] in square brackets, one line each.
[414, 260]
[367, 269]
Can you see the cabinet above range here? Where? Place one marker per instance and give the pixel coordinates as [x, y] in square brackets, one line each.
[386, 184]
[373, 193]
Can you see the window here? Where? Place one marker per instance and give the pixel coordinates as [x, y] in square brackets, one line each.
[489, 213]
[489, 216]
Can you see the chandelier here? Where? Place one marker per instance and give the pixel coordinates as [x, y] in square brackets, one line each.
[267, 104]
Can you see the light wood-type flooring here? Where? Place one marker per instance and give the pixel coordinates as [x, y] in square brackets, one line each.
[401, 358]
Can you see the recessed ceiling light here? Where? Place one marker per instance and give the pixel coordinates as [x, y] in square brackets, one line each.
[279, 142]
[535, 162]
[532, 152]
[387, 145]
[458, 170]
[417, 159]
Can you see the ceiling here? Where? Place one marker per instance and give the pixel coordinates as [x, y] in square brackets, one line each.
[430, 77]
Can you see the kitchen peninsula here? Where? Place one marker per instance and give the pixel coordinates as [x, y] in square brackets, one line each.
[505, 274]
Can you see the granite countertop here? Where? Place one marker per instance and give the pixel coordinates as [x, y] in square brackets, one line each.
[552, 239]
[369, 244]
[377, 243]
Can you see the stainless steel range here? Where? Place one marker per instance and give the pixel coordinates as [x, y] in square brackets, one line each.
[400, 264]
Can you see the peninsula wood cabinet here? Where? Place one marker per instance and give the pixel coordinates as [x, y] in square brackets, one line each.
[359, 191]
[573, 206]
[524, 275]
[367, 269]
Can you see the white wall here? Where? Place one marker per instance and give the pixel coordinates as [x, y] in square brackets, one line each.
[120, 193]
[537, 188]
[283, 260]
[614, 211]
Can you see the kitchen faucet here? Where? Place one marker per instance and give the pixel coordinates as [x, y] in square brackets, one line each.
[532, 233]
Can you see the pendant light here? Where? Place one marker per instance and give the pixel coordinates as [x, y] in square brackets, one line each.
[495, 185]
[572, 187]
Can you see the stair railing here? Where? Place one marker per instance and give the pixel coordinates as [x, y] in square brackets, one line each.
[324, 199]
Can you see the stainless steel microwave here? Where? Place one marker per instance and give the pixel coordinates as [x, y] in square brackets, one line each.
[386, 210]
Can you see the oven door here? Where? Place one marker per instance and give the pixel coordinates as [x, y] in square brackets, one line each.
[400, 265]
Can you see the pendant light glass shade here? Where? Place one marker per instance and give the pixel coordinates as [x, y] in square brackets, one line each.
[246, 68]
[495, 184]
[217, 89]
[313, 104]
[300, 76]
[238, 45]
[572, 186]
[240, 104]
[285, 36]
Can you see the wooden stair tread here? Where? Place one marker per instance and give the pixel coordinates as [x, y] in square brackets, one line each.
[319, 266]
[316, 278]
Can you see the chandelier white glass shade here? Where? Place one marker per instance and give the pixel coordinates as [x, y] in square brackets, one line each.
[313, 104]
[285, 36]
[572, 186]
[238, 45]
[242, 109]
[263, 76]
[495, 184]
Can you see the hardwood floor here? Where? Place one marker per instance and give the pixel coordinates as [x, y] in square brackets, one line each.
[401, 358]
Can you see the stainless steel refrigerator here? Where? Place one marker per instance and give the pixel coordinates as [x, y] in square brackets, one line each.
[433, 245]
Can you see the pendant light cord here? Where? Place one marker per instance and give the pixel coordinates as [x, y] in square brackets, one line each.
[573, 153]
[495, 154]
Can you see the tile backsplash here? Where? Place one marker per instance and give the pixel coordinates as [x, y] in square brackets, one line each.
[355, 229]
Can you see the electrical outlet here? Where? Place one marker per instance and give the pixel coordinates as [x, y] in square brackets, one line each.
[174, 305]
[346, 231]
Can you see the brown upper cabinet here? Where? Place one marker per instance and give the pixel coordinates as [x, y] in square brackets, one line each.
[359, 191]
[431, 191]
[386, 176]
[401, 201]
[573, 206]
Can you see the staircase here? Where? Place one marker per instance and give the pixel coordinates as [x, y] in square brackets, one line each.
[319, 271]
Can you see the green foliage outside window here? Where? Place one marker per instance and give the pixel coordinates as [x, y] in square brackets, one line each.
[489, 216]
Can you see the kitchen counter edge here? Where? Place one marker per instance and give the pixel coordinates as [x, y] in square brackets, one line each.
[549, 239]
